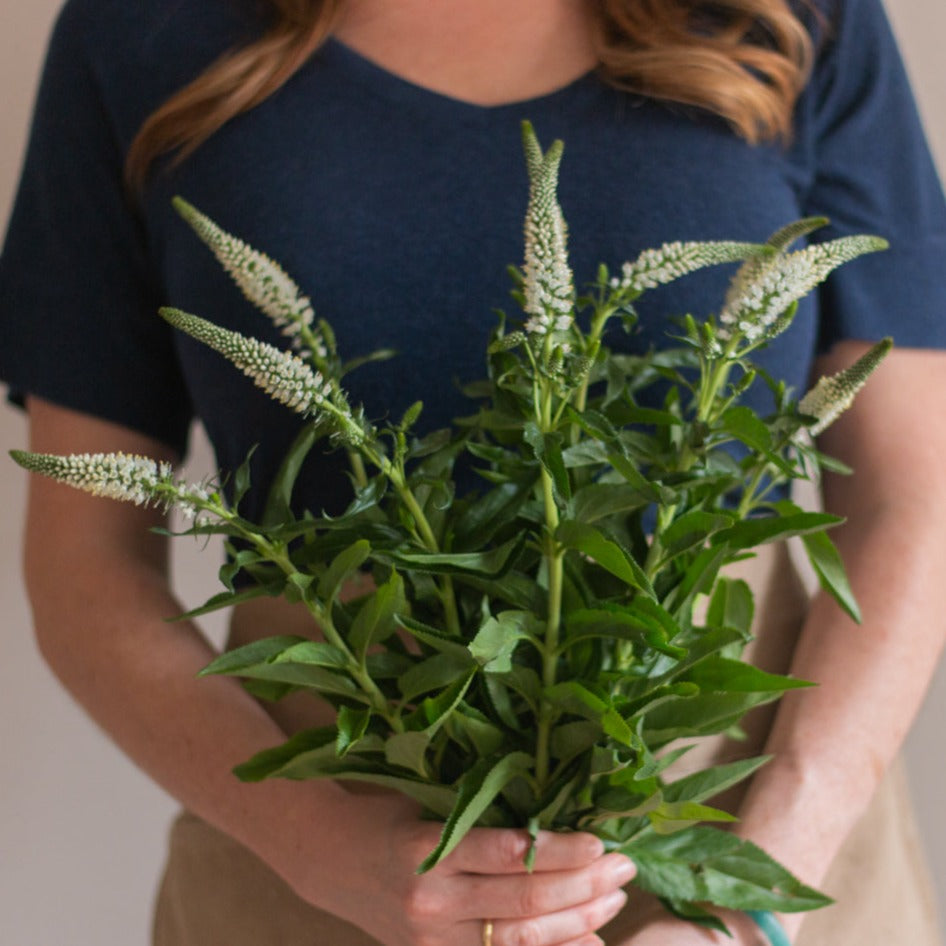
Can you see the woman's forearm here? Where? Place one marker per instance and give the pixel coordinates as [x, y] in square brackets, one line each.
[832, 743]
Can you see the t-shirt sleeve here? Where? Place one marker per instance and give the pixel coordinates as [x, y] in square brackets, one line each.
[873, 173]
[78, 300]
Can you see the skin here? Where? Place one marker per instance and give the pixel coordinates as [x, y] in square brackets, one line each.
[98, 583]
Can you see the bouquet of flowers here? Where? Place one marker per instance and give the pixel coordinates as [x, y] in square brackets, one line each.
[538, 652]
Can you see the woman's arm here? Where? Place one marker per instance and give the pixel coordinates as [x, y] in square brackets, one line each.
[833, 742]
[97, 579]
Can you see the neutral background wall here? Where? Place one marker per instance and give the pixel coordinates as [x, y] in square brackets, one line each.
[81, 830]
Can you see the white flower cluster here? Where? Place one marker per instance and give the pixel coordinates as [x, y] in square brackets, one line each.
[834, 394]
[121, 476]
[282, 375]
[188, 499]
[762, 291]
[666, 263]
[265, 283]
[547, 285]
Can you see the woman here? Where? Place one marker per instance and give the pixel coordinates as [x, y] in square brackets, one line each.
[384, 170]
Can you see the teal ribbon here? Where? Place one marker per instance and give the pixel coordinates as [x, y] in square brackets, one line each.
[770, 926]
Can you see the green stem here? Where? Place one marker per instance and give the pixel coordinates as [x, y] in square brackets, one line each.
[554, 558]
[358, 468]
[447, 594]
[555, 567]
[323, 619]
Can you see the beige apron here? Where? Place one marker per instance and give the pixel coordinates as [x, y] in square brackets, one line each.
[217, 893]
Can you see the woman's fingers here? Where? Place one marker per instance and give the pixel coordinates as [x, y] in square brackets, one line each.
[541, 893]
[502, 851]
[570, 927]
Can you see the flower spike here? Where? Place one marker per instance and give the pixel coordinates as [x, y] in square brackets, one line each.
[282, 375]
[834, 394]
[264, 282]
[762, 292]
[123, 476]
[547, 278]
[666, 263]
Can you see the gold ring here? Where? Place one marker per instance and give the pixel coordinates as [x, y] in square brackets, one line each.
[487, 933]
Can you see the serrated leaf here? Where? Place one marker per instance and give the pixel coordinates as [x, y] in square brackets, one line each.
[600, 500]
[375, 619]
[435, 673]
[692, 530]
[670, 817]
[343, 566]
[351, 725]
[278, 508]
[731, 605]
[496, 640]
[753, 532]
[489, 564]
[826, 561]
[723, 675]
[408, 750]
[548, 451]
[706, 864]
[226, 599]
[250, 655]
[605, 551]
[709, 782]
[478, 788]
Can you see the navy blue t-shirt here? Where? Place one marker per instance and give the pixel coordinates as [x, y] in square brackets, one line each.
[397, 210]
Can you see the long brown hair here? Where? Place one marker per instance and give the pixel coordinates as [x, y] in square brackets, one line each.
[744, 60]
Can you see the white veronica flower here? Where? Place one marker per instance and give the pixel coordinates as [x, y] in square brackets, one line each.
[265, 283]
[834, 394]
[762, 291]
[655, 267]
[121, 476]
[282, 375]
[547, 278]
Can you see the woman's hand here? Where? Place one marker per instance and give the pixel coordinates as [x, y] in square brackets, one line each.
[573, 889]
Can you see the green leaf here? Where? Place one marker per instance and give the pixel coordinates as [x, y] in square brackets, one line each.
[753, 532]
[643, 621]
[343, 566]
[670, 817]
[606, 552]
[311, 754]
[409, 751]
[548, 451]
[478, 789]
[691, 530]
[278, 508]
[435, 673]
[250, 655]
[496, 640]
[351, 725]
[434, 637]
[600, 500]
[294, 660]
[375, 619]
[701, 715]
[490, 564]
[826, 561]
[707, 864]
[705, 784]
[270, 761]
[226, 599]
[733, 676]
[572, 696]
[436, 709]
[732, 605]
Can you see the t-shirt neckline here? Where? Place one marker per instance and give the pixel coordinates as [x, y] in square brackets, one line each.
[405, 92]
